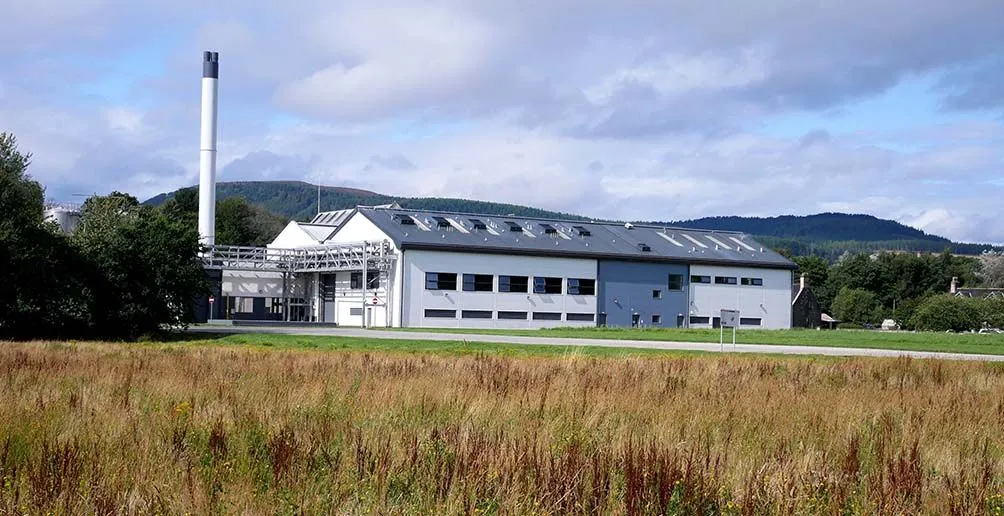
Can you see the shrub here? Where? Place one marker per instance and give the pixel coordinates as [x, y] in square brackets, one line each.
[946, 313]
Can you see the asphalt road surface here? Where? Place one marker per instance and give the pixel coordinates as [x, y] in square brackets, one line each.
[607, 343]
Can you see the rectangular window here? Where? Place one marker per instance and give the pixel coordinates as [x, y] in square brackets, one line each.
[656, 319]
[440, 281]
[372, 279]
[479, 283]
[581, 287]
[543, 285]
[580, 317]
[700, 279]
[725, 280]
[513, 315]
[675, 282]
[478, 225]
[582, 231]
[749, 321]
[656, 294]
[476, 314]
[699, 320]
[442, 223]
[355, 311]
[752, 282]
[547, 316]
[441, 314]
[514, 284]
[356, 280]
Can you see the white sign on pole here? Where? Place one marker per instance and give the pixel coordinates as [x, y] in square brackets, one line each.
[729, 319]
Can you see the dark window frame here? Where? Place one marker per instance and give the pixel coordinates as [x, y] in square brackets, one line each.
[506, 284]
[745, 321]
[656, 293]
[510, 315]
[674, 286]
[751, 282]
[656, 319]
[478, 282]
[701, 279]
[435, 313]
[726, 280]
[546, 316]
[475, 314]
[698, 319]
[549, 285]
[580, 317]
[433, 281]
[581, 286]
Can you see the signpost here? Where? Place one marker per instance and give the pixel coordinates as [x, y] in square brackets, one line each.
[212, 299]
[730, 319]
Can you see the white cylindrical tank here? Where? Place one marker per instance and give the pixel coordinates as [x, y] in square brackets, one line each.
[207, 148]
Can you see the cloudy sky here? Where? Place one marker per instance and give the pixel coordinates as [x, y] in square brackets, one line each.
[629, 109]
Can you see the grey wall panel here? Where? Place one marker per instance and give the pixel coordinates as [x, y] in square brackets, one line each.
[626, 293]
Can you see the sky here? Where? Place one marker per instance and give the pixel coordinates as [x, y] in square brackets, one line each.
[628, 109]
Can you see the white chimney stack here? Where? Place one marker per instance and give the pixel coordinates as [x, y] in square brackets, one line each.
[207, 149]
[803, 280]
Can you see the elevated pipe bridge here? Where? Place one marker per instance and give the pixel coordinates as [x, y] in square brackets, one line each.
[327, 258]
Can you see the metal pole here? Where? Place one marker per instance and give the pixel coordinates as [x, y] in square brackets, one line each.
[721, 337]
[365, 282]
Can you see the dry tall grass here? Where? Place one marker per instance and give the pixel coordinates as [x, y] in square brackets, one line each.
[120, 429]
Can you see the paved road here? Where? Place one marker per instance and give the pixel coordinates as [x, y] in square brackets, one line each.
[607, 343]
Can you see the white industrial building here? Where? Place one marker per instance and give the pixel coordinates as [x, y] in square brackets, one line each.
[437, 270]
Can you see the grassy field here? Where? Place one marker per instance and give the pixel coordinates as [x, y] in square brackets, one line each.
[907, 341]
[176, 428]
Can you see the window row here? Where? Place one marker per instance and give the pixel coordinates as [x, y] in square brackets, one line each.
[743, 321]
[508, 315]
[727, 280]
[519, 284]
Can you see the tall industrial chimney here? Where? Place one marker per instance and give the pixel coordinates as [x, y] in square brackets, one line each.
[207, 149]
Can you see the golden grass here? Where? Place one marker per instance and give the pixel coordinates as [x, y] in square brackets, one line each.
[102, 428]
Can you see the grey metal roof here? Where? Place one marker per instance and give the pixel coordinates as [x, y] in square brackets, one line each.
[421, 229]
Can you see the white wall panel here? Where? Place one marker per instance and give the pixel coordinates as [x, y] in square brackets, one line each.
[771, 302]
[416, 299]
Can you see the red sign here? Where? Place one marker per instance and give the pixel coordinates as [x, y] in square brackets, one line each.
[375, 300]
[211, 299]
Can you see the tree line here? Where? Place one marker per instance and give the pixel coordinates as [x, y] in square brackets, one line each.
[910, 288]
[127, 270]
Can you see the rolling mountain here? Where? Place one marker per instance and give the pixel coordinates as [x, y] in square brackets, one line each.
[825, 234]
[298, 200]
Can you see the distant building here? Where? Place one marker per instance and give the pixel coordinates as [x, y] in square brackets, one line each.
[978, 293]
[65, 215]
[805, 310]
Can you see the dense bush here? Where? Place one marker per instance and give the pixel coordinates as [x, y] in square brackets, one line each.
[948, 313]
[128, 270]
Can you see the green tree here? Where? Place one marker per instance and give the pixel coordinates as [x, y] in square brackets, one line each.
[146, 264]
[41, 292]
[856, 305]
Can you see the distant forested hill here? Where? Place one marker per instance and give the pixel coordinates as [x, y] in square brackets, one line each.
[826, 234]
[298, 200]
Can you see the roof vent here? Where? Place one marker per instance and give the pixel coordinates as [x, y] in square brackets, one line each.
[404, 220]
[442, 223]
[628, 225]
[514, 227]
[477, 225]
[582, 231]
[643, 247]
